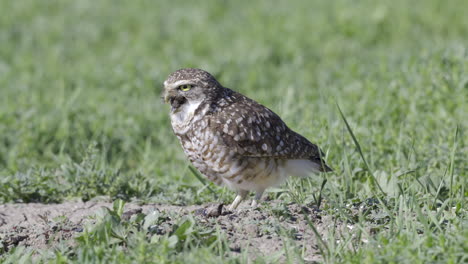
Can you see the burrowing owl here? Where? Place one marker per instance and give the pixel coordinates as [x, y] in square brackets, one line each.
[232, 139]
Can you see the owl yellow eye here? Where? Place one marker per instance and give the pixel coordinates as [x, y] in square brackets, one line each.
[185, 87]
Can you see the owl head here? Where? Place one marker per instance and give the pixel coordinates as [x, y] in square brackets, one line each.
[189, 86]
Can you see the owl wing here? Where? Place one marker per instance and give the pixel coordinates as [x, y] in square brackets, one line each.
[251, 129]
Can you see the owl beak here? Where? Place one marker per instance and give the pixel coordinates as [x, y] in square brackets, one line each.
[165, 99]
[173, 99]
[177, 102]
[166, 96]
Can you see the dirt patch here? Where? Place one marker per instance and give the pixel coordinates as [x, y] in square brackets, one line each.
[268, 232]
[260, 231]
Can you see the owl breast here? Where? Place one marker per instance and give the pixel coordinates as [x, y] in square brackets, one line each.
[222, 165]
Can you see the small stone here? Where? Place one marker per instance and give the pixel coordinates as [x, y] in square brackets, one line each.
[128, 214]
[214, 210]
[235, 247]
[77, 229]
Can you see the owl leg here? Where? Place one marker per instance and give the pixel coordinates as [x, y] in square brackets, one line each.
[258, 196]
[241, 194]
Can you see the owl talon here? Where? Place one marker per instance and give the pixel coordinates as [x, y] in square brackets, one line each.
[240, 196]
[258, 196]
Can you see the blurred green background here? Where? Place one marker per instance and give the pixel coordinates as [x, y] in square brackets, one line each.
[80, 81]
[81, 117]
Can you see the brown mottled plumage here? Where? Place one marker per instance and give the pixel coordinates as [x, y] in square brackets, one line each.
[233, 140]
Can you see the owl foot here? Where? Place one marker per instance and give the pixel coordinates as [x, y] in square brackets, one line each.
[254, 204]
[240, 196]
[258, 196]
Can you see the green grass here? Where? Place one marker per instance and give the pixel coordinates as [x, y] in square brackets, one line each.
[80, 113]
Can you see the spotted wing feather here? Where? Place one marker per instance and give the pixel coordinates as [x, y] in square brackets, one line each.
[251, 129]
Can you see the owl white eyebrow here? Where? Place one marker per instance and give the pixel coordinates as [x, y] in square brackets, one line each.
[181, 82]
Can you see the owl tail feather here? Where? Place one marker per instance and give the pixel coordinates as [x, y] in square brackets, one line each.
[304, 168]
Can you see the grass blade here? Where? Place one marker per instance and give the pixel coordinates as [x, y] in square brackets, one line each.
[358, 147]
[200, 178]
[452, 161]
[318, 200]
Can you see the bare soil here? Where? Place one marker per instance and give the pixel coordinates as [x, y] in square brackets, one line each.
[260, 232]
